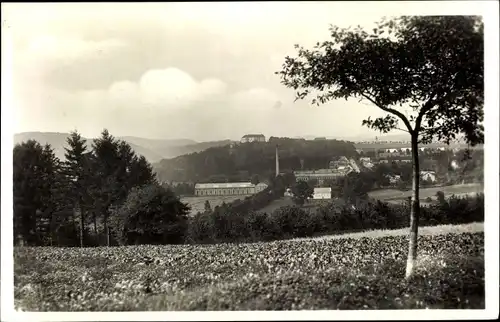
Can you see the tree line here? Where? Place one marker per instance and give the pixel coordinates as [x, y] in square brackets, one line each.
[228, 224]
[83, 199]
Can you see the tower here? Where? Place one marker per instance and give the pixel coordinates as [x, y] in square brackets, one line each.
[277, 162]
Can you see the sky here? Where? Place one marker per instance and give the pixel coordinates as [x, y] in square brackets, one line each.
[203, 71]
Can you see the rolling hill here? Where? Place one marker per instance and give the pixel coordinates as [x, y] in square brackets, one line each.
[153, 150]
[241, 162]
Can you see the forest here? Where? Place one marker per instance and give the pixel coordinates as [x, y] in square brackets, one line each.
[241, 162]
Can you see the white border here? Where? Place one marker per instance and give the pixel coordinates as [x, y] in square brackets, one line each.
[488, 9]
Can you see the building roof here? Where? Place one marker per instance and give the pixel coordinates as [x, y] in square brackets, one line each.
[323, 190]
[319, 172]
[253, 135]
[224, 185]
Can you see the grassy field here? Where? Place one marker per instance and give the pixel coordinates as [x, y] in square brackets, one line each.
[197, 204]
[397, 196]
[363, 271]
[311, 205]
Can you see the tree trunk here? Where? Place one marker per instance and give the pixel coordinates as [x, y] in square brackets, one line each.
[415, 208]
[95, 224]
[106, 231]
[82, 226]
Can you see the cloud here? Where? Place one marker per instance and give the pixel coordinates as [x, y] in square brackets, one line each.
[170, 103]
[168, 88]
[91, 67]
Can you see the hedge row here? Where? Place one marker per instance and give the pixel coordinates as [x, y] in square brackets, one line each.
[227, 225]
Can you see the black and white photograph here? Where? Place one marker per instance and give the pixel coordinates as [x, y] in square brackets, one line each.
[250, 160]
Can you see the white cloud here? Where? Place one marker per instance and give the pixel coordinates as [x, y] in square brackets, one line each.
[169, 88]
[212, 87]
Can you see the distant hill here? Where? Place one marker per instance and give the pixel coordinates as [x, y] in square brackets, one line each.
[174, 151]
[241, 162]
[153, 150]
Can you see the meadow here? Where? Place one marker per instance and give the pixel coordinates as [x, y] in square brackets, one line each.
[397, 196]
[355, 271]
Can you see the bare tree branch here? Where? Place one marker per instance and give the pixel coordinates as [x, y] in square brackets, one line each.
[426, 108]
[402, 130]
[392, 111]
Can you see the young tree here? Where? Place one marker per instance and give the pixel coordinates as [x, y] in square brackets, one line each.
[440, 197]
[208, 208]
[301, 192]
[255, 179]
[313, 182]
[430, 65]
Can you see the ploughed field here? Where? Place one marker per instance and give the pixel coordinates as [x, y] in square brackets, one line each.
[356, 271]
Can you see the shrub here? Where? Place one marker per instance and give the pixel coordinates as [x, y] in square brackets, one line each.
[150, 215]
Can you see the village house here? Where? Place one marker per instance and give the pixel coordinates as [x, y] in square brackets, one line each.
[288, 193]
[393, 179]
[340, 164]
[428, 175]
[368, 165]
[322, 193]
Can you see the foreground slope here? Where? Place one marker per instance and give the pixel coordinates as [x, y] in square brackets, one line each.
[344, 272]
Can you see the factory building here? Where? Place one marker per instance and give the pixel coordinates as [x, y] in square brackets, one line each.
[228, 189]
[321, 175]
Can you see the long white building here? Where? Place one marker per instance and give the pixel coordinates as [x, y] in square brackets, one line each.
[228, 189]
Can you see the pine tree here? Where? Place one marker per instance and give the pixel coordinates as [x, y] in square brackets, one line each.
[35, 173]
[124, 169]
[106, 157]
[141, 172]
[78, 172]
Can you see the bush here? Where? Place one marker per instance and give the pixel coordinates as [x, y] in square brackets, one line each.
[150, 215]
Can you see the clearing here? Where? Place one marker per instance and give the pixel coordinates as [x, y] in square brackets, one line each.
[354, 271]
[397, 196]
[310, 205]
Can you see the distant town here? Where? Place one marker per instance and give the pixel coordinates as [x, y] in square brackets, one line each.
[370, 157]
